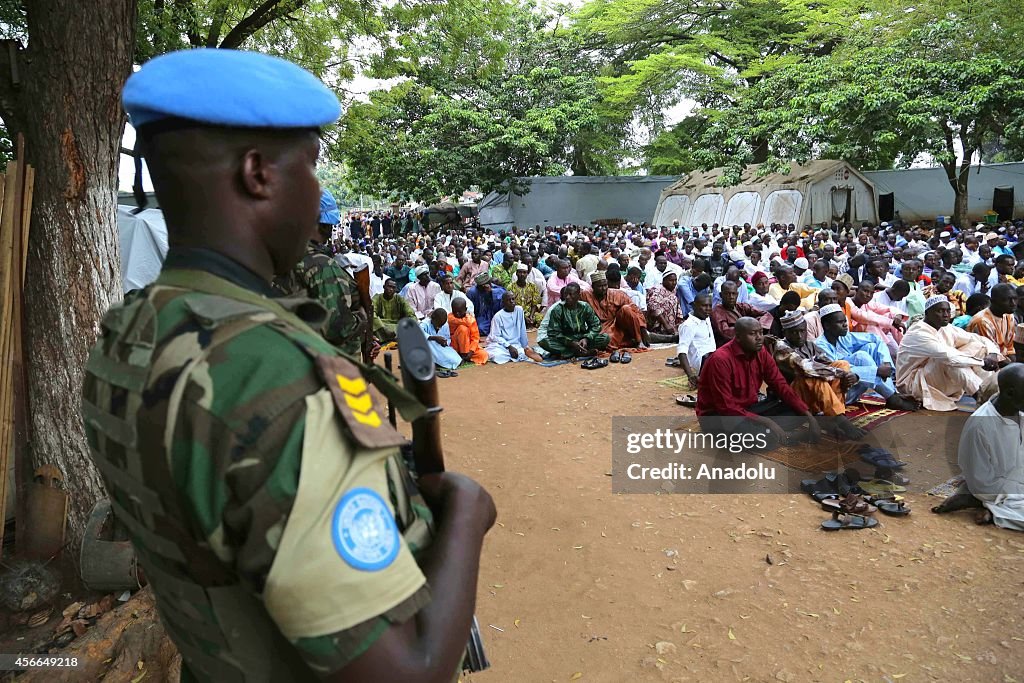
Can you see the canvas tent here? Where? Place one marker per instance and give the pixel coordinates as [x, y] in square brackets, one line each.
[580, 200]
[819, 191]
[143, 246]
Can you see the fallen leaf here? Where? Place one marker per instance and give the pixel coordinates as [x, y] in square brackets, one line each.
[836, 610]
[898, 675]
[139, 677]
[516, 623]
[731, 636]
[497, 585]
[576, 676]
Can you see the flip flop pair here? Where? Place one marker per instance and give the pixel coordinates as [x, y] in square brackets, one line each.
[620, 357]
[686, 400]
[879, 457]
[444, 373]
[594, 363]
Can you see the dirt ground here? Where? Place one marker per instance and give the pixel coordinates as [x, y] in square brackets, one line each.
[589, 585]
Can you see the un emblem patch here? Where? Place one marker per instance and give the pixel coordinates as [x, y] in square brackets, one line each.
[364, 530]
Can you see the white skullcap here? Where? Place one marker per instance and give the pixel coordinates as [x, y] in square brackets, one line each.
[422, 269]
[829, 310]
[944, 233]
[801, 263]
[935, 301]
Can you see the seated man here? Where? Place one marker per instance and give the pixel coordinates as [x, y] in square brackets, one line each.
[727, 400]
[868, 357]
[574, 330]
[465, 334]
[448, 293]
[821, 382]
[725, 315]
[507, 341]
[527, 295]
[991, 457]
[696, 339]
[620, 319]
[761, 299]
[976, 303]
[420, 294]
[663, 312]
[870, 315]
[996, 322]
[440, 338]
[957, 299]
[388, 309]
[786, 281]
[939, 363]
[635, 289]
[486, 298]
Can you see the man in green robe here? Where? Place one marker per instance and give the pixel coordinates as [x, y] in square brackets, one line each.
[574, 330]
[388, 309]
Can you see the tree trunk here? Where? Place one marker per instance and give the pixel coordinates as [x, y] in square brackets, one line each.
[77, 60]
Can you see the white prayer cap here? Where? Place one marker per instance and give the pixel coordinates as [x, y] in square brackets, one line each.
[944, 233]
[422, 269]
[829, 310]
[935, 301]
[884, 225]
[801, 263]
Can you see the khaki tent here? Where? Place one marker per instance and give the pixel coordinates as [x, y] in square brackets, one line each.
[820, 191]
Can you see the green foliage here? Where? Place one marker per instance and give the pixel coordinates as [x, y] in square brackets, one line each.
[519, 99]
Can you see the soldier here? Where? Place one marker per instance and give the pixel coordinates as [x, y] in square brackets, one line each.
[264, 493]
[319, 277]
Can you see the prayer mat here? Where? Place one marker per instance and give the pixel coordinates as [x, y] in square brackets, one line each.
[551, 363]
[816, 457]
[946, 488]
[679, 383]
[870, 412]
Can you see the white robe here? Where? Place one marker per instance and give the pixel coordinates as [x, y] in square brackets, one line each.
[938, 367]
[442, 300]
[991, 456]
[507, 329]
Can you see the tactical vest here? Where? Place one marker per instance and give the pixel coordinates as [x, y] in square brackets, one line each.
[222, 630]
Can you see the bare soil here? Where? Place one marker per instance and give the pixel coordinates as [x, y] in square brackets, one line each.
[589, 585]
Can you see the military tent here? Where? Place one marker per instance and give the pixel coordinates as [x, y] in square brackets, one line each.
[819, 191]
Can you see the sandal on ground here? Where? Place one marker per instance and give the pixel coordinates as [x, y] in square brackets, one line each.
[877, 486]
[594, 363]
[445, 373]
[615, 357]
[672, 362]
[879, 457]
[840, 521]
[626, 357]
[686, 400]
[851, 504]
[893, 507]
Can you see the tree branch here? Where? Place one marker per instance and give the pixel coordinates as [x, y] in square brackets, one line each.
[191, 25]
[269, 11]
[10, 109]
[215, 27]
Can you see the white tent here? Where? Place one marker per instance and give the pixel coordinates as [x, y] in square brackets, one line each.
[816, 192]
[143, 245]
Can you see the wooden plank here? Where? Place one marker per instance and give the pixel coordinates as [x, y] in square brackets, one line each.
[7, 266]
[26, 219]
[22, 466]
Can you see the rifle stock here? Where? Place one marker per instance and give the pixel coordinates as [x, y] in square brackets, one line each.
[419, 379]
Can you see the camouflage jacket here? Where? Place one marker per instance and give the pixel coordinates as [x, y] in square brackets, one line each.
[319, 277]
[261, 488]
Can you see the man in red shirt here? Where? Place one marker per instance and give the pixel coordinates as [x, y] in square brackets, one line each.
[729, 381]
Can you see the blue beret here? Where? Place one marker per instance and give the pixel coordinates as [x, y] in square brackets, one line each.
[329, 213]
[228, 88]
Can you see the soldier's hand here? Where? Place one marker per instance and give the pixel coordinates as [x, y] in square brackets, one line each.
[450, 493]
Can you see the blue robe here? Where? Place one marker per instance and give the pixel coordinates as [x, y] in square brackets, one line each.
[485, 306]
[864, 351]
[444, 356]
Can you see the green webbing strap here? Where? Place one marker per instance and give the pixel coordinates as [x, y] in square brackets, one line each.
[201, 281]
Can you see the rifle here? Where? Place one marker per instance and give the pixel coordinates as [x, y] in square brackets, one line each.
[362, 278]
[418, 378]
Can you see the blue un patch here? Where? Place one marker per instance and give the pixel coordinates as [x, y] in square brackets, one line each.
[364, 530]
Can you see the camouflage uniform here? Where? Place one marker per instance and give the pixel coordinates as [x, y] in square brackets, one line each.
[232, 439]
[319, 277]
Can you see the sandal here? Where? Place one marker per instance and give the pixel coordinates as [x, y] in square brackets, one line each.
[851, 504]
[444, 373]
[672, 362]
[594, 363]
[880, 458]
[881, 486]
[893, 507]
[686, 401]
[840, 521]
[626, 358]
[615, 357]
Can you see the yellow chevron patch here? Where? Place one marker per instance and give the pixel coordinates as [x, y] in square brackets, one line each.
[359, 404]
[371, 419]
[351, 386]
